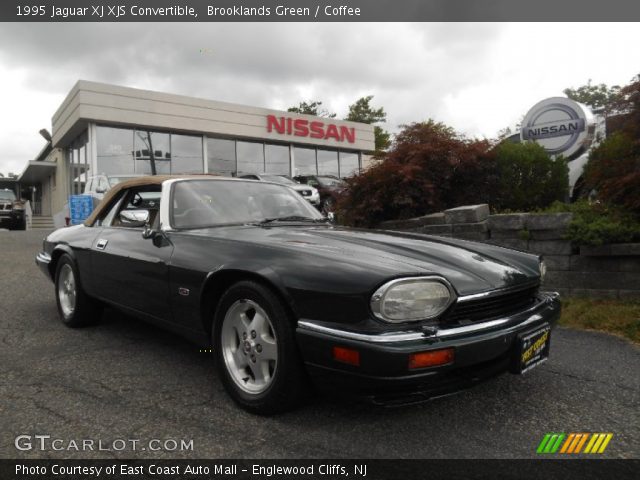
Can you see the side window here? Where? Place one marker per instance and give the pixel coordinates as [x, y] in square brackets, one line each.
[312, 181]
[111, 212]
[137, 202]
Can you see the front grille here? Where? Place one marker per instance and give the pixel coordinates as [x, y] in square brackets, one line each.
[5, 206]
[493, 306]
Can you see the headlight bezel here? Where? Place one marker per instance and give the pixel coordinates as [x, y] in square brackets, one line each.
[377, 299]
[542, 268]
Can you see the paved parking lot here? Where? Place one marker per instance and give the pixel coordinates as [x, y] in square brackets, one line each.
[123, 379]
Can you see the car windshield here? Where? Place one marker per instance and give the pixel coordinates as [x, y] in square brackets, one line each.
[278, 179]
[113, 181]
[7, 195]
[206, 203]
[331, 182]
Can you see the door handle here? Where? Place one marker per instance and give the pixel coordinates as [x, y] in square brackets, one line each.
[101, 244]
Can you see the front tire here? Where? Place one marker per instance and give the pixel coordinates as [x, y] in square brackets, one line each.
[256, 353]
[75, 307]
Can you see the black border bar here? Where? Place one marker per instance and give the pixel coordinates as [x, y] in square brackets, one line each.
[327, 469]
[323, 11]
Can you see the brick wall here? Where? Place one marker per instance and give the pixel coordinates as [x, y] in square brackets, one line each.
[610, 271]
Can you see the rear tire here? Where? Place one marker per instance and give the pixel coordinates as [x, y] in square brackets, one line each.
[75, 307]
[256, 352]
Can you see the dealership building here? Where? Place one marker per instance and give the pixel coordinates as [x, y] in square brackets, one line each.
[120, 131]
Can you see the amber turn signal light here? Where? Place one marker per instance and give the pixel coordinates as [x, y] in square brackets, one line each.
[346, 355]
[432, 358]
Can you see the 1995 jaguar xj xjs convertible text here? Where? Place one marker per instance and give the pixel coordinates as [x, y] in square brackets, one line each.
[284, 296]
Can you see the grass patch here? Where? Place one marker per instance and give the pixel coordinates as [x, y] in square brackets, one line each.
[619, 317]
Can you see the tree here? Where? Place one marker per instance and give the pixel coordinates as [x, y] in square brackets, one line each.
[595, 96]
[312, 108]
[428, 168]
[362, 111]
[614, 166]
[526, 178]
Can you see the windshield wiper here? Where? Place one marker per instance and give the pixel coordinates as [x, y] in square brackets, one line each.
[291, 218]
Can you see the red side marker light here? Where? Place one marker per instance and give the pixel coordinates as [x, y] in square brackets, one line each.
[346, 355]
[432, 358]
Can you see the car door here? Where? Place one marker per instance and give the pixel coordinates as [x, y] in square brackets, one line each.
[130, 270]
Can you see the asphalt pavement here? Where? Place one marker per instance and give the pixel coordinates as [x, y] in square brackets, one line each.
[125, 380]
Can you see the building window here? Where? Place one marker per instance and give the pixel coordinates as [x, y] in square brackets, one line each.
[186, 154]
[152, 146]
[114, 149]
[349, 164]
[305, 161]
[250, 157]
[328, 162]
[276, 159]
[78, 164]
[221, 156]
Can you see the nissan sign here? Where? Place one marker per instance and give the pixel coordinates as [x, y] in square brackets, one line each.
[560, 125]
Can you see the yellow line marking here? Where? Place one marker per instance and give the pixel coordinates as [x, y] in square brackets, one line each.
[605, 443]
[596, 445]
[594, 437]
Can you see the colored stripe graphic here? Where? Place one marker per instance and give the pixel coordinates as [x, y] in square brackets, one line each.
[550, 443]
[573, 443]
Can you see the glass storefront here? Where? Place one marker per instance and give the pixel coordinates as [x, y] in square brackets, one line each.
[349, 164]
[126, 151]
[221, 156]
[304, 161]
[328, 162]
[114, 147]
[152, 147]
[186, 154]
[276, 159]
[79, 163]
[250, 157]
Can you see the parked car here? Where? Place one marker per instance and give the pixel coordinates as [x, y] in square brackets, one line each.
[307, 191]
[12, 212]
[329, 187]
[98, 185]
[281, 294]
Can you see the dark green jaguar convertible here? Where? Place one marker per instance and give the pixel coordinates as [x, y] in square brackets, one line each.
[286, 298]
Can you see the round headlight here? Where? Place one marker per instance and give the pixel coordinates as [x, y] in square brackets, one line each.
[411, 299]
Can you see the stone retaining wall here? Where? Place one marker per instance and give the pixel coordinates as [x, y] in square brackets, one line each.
[610, 271]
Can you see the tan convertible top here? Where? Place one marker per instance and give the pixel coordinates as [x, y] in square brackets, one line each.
[138, 182]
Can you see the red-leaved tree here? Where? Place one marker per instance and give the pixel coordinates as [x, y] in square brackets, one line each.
[429, 167]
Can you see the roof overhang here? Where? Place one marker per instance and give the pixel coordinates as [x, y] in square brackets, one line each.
[36, 171]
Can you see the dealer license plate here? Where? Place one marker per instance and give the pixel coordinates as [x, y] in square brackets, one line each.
[532, 348]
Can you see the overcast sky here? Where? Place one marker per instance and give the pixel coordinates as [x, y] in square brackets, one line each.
[478, 78]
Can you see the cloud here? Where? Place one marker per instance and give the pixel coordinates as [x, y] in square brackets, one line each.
[476, 77]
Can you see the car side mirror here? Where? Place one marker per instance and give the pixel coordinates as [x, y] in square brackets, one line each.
[134, 218]
[148, 232]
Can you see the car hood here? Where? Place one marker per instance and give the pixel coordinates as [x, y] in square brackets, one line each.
[470, 267]
[301, 187]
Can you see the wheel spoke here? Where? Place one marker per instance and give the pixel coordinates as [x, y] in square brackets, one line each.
[269, 350]
[260, 372]
[259, 324]
[240, 358]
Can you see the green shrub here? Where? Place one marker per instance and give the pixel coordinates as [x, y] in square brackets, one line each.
[527, 178]
[598, 223]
